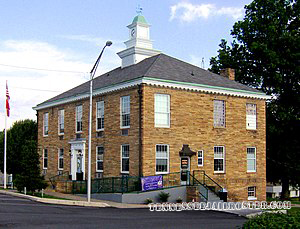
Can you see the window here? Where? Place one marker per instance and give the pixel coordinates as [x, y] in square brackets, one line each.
[99, 162]
[219, 113]
[79, 118]
[252, 193]
[219, 163]
[45, 159]
[162, 110]
[125, 112]
[251, 116]
[125, 159]
[46, 124]
[60, 159]
[162, 159]
[100, 116]
[200, 158]
[251, 159]
[61, 122]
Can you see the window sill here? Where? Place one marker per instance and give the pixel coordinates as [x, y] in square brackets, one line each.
[252, 130]
[161, 173]
[252, 198]
[219, 172]
[99, 130]
[124, 172]
[220, 127]
[99, 171]
[61, 134]
[78, 132]
[162, 126]
[200, 165]
[45, 168]
[251, 172]
[45, 135]
[124, 127]
[60, 169]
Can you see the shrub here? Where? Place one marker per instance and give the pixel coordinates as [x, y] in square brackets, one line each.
[274, 220]
[179, 200]
[32, 183]
[148, 201]
[164, 196]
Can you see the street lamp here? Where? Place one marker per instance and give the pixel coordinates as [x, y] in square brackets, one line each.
[92, 74]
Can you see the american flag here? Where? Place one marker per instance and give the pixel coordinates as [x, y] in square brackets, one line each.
[7, 100]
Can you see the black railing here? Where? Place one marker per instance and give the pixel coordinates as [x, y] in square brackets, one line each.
[202, 189]
[61, 177]
[203, 178]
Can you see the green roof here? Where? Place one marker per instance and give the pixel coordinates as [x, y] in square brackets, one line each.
[139, 19]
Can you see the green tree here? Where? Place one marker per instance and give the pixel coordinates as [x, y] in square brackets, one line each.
[266, 55]
[22, 155]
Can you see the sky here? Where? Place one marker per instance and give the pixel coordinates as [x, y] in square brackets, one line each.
[49, 46]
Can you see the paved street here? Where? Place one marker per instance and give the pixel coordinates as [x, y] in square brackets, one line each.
[23, 213]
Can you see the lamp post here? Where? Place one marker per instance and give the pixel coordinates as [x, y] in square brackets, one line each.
[92, 74]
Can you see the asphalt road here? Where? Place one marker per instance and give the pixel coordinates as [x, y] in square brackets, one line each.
[23, 213]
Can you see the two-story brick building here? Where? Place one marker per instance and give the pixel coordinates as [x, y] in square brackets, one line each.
[146, 111]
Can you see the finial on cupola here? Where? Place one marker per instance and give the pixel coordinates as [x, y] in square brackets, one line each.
[139, 10]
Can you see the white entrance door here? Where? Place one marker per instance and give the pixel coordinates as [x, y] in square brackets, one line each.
[77, 155]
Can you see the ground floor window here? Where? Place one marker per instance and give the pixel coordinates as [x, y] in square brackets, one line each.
[61, 159]
[99, 163]
[200, 158]
[219, 156]
[162, 159]
[125, 159]
[45, 159]
[252, 193]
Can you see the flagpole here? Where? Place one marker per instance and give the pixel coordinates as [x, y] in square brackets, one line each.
[5, 138]
[5, 151]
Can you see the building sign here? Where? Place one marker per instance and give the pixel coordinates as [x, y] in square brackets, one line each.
[184, 163]
[151, 183]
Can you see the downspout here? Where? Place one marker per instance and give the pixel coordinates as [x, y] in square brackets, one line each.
[140, 92]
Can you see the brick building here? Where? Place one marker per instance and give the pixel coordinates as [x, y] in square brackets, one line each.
[154, 114]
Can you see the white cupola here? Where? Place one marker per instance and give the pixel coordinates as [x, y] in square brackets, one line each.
[139, 45]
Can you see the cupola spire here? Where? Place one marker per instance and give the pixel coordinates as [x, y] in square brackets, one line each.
[139, 45]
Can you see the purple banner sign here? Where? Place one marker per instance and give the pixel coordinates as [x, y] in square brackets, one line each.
[151, 183]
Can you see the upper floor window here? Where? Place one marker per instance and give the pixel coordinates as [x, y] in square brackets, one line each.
[124, 158]
[219, 159]
[61, 121]
[99, 162]
[251, 116]
[251, 159]
[46, 124]
[162, 110]
[200, 158]
[45, 159]
[100, 115]
[162, 159]
[219, 113]
[60, 159]
[125, 112]
[79, 118]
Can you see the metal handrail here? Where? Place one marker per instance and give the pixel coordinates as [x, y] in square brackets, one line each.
[211, 180]
[53, 179]
[200, 184]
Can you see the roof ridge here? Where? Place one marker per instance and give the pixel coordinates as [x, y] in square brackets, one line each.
[157, 57]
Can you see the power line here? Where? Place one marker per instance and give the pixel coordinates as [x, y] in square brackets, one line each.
[39, 69]
[33, 89]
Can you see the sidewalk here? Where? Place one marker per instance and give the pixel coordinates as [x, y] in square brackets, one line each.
[69, 199]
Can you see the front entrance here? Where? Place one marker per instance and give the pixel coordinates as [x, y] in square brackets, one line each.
[77, 158]
[184, 170]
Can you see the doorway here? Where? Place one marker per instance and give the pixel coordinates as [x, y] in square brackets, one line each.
[184, 170]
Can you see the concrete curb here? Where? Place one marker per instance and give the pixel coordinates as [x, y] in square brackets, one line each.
[57, 201]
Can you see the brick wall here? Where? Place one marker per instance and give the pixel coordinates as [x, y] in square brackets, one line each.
[191, 123]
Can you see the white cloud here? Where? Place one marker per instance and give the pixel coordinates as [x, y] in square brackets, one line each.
[21, 81]
[187, 12]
